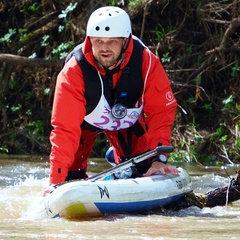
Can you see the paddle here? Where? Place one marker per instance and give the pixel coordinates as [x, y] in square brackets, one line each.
[132, 161]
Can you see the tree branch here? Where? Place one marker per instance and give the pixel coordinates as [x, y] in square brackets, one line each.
[30, 62]
[234, 25]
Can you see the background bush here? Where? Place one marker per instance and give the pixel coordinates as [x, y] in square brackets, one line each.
[197, 42]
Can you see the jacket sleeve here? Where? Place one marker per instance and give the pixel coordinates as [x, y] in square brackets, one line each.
[159, 102]
[67, 114]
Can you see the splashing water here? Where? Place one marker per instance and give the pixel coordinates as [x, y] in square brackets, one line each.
[22, 182]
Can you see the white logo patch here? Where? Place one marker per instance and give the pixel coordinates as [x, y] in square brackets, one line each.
[169, 96]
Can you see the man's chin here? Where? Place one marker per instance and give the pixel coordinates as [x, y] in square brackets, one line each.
[107, 64]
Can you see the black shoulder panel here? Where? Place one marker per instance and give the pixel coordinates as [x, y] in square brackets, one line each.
[131, 78]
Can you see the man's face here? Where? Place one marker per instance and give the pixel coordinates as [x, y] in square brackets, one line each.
[107, 50]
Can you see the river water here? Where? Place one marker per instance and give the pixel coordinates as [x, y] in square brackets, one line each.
[23, 178]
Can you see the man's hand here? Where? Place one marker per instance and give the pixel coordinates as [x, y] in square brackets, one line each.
[48, 190]
[161, 168]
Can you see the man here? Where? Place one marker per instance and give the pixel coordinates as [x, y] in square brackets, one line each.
[111, 83]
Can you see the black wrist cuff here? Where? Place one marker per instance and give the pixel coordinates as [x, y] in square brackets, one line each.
[160, 158]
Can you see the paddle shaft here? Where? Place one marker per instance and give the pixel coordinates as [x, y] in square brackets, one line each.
[132, 161]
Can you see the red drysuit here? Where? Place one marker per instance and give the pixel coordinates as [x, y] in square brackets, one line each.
[68, 112]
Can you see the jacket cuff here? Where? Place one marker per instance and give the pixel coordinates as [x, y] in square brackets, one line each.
[57, 175]
[160, 158]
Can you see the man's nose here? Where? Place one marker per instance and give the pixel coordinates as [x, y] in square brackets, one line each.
[105, 46]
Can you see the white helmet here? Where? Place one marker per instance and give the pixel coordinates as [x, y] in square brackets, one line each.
[109, 22]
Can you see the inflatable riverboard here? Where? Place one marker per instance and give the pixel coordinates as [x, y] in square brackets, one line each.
[85, 198]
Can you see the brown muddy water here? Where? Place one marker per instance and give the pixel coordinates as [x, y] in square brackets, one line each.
[23, 178]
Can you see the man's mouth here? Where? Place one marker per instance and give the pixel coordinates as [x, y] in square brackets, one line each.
[106, 55]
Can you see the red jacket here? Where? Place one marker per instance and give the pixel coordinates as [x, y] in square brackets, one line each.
[69, 108]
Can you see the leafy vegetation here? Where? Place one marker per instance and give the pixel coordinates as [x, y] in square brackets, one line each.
[197, 42]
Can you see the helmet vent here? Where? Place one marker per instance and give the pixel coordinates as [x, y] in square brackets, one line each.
[107, 29]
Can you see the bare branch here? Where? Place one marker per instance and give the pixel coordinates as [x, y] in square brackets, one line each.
[30, 62]
[234, 25]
